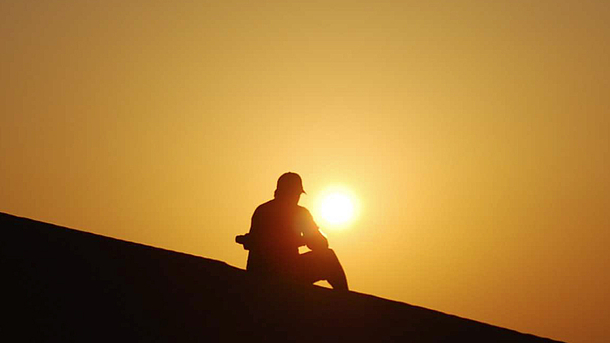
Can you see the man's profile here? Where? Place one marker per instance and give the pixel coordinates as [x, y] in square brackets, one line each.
[279, 227]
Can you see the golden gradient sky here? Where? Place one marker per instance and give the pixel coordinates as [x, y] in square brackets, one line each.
[476, 135]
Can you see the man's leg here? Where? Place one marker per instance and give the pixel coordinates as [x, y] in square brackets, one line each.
[336, 275]
[322, 265]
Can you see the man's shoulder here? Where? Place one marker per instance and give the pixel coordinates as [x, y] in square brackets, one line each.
[302, 209]
[303, 214]
[264, 206]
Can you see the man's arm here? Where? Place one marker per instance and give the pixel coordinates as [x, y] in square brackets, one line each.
[249, 239]
[312, 237]
[316, 240]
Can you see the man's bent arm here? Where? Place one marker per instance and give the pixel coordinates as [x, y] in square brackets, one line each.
[315, 240]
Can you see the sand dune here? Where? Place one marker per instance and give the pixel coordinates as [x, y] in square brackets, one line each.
[65, 284]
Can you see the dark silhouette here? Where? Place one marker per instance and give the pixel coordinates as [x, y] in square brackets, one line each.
[66, 285]
[279, 227]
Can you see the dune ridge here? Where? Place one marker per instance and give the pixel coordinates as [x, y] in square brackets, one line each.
[73, 285]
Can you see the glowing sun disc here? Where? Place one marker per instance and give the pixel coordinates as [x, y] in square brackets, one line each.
[337, 208]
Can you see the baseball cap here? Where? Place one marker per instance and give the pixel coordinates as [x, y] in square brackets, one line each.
[290, 182]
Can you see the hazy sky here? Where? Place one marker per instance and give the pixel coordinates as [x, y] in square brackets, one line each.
[475, 135]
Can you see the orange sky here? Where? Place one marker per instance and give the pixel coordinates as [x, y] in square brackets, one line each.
[474, 133]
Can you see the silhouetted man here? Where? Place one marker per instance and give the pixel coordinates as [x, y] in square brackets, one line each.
[279, 227]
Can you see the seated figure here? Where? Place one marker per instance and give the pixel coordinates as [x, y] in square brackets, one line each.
[279, 227]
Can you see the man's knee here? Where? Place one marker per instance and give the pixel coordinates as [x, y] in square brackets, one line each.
[330, 256]
[336, 275]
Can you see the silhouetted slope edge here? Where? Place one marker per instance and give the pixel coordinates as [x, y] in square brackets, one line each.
[72, 285]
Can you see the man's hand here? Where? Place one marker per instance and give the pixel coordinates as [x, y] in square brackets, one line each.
[243, 240]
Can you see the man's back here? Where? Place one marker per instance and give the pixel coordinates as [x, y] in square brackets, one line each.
[278, 229]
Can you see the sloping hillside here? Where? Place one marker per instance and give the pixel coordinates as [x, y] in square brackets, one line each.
[65, 284]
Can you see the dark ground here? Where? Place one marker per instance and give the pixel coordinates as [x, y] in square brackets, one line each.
[64, 284]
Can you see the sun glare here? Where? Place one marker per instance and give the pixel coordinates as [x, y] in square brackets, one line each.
[336, 208]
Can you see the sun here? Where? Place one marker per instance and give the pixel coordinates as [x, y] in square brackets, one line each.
[336, 208]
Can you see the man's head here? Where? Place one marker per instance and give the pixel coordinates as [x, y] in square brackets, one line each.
[289, 186]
